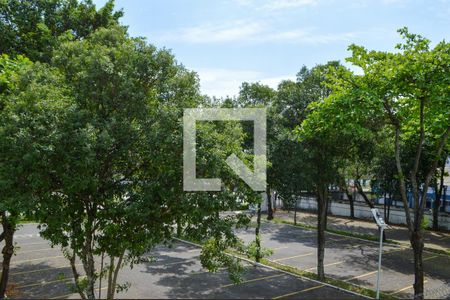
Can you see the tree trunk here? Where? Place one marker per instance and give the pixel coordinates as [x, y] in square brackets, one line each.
[436, 204]
[112, 289]
[8, 251]
[352, 205]
[327, 209]
[257, 234]
[89, 267]
[417, 243]
[321, 225]
[363, 194]
[351, 202]
[110, 277]
[101, 276]
[76, 276]
[275, 202]
[438, 194]
[388, 210]
[295, 212]
[179, 228]
[269, 205]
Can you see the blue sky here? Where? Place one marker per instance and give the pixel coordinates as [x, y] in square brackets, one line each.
[230, 41]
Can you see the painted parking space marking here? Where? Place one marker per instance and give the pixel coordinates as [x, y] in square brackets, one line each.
[298, 292]
[36, 250]
[394, 250]
[24, 236]
[44, 283]
[280, 248]
[28, 244]
[195, 250]
[44, 269]
[361, 276]
[431, 257]
[406, 288]
[252, 280]
[327, 265]
[35, 259]
[291, 257]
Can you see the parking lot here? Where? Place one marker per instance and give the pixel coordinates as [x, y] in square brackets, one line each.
[354, 260]
[39, 271]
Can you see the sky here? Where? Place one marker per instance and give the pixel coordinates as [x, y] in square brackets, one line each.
[228, 42]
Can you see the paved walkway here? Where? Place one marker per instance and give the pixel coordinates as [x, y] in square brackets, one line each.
[433, 239]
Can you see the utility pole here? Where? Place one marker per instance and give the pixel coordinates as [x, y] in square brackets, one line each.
[381, 225]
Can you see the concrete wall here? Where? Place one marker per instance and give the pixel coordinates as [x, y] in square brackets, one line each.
[362, 211]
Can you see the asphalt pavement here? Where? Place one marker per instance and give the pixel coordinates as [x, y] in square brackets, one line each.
[40, 271]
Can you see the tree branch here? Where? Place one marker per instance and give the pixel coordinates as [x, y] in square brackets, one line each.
[76, 275]
[413, 174]
[431, 172]
[401, 180]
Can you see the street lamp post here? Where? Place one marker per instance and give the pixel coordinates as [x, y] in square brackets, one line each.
[381, 225]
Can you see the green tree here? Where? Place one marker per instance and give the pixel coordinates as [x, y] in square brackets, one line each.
[408, 93]
[33, 28]
[30, 102]
[106, 197]
[259, 95]
[115, 185]
[321, 147]
[290, 109]
[438, 185]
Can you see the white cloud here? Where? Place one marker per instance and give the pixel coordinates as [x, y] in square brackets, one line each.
[252, 32]
[309, 36]
[226, 82]
[273, 82]
[272, 5]
[286, 4]
[213, 33]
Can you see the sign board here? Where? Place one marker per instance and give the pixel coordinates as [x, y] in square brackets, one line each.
[377, 216]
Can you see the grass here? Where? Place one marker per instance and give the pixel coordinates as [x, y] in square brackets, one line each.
[26, 221]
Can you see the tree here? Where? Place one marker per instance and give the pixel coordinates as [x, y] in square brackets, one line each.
[33, 28]
[289, 110]
[259, 95]
[108, 163]
[114, 175]
[408, 93]
[384, 181]
[438, 185]
[30, 102]
[321, 146]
